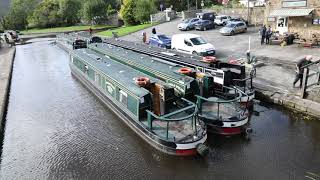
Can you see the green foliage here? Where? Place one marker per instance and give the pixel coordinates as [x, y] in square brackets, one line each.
[69, 10]
[18, 13]
[122, 31]
[110, 10]
[143, 10]
[94, 10]
[46, 14]
[127, 12]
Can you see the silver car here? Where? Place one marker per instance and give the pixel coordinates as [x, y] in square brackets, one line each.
[188, 24]
[234, 28]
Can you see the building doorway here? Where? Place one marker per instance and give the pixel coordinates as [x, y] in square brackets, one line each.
[282, 25]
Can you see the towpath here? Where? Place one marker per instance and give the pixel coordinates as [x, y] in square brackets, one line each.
[6, 61]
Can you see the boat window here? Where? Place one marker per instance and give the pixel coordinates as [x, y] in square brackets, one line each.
[110, 88]
[123, 97]
[97, 78]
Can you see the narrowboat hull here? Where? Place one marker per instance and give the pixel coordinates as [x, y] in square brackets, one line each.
[228, 128]
[171, 148]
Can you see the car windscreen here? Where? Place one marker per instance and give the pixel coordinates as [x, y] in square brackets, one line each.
[186, 20]
[163, 37]
[198, 41]
[230, 25]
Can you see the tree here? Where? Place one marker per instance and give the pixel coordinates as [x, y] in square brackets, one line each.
[94, 11]
[18, 13]
[110, 10]
[143, 10]
[46, 14]
[69, 11]
[127, 12]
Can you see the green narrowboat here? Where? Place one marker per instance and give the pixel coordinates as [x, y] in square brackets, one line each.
[147, 105]
[221, 112]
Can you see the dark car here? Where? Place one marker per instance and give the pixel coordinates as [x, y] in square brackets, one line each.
[204, 25]
[96, 39]
[78, 44]
[160, 40]
[206, 16]
[236, 19]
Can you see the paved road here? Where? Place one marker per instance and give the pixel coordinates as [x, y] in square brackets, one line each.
[227, 45]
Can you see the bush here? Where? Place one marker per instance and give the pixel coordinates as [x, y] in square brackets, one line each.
[94, 11]
[127, 12]
[46, 14]
[143, 10]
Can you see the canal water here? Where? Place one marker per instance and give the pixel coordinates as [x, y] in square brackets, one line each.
[56, 129]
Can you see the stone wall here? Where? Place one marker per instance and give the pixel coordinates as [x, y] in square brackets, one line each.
[164, 16]
[256, 14]
[190, 14]
[114, 20]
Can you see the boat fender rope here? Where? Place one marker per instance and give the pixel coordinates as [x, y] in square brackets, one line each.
[209, 59]
[184, 70]
[142, 81]
[233, 61]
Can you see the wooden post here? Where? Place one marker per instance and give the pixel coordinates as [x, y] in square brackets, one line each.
[304, 82]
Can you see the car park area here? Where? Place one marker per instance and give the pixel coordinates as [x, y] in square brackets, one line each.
[232, 45]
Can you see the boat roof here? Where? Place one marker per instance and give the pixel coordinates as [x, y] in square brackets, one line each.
[161, 67]
[120, 73]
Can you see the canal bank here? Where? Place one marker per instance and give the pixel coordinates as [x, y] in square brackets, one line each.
[6, 63]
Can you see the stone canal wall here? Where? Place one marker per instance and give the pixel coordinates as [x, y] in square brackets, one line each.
[6, 64]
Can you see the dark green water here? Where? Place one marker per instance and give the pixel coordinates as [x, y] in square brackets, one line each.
[56, 129]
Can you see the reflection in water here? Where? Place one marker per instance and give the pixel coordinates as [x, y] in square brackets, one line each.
[56, 129]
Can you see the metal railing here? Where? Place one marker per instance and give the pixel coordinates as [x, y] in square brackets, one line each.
[184, 119]
[232, 104]
[245, 85]
[307, 75]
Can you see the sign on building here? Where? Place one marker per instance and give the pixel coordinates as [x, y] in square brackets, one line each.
[294, 3]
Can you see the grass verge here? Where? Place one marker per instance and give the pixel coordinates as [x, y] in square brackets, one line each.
[64, 29]
[122, 31]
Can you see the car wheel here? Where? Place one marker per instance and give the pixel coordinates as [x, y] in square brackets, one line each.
[245, 30]
[224, 23]
[194, 53]
[173, 49]
[204, 28]
[187, 28]
[232, 33]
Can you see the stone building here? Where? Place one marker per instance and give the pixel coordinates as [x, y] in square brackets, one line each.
[294, 16]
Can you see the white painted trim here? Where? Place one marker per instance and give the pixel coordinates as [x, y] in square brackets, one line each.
[192, 145]
[235, 124]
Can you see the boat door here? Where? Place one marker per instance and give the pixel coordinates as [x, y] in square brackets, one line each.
[282, 25]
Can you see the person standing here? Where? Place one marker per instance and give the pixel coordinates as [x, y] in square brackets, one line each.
[144, 37]
[299, 70]
[263, 31]
[154, 31]
[268, 35]
[90, 31]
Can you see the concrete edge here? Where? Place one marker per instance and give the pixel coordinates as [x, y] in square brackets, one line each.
[6, 80]
[291, 102]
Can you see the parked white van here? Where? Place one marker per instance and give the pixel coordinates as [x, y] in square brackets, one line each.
[192, 44]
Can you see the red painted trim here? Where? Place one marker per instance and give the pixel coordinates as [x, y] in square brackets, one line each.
[186, 152]
[231, 131]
